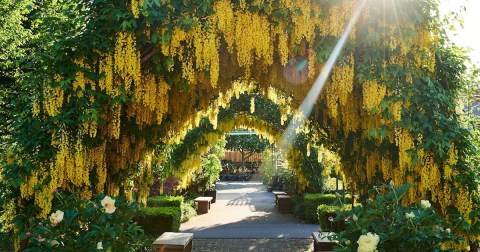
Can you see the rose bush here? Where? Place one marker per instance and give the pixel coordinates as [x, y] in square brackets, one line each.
[100, 223]
[384, 224]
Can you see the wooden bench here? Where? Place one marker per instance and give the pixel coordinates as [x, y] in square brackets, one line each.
[170, 242]
[203, 204]
[321, 242]
[277, 193]
[285, 204]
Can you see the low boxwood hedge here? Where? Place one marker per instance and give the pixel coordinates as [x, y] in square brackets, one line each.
[326, 211]
[311, 201]
[157, 220]
[165, 201]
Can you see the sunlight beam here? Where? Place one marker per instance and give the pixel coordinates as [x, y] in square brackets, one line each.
[307, 105]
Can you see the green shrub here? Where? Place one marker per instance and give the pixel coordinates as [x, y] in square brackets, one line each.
[80, 224]
[188, 210]
[396, 227]
[324, 212]
[165, 201]
[313, 200]
[157, 220]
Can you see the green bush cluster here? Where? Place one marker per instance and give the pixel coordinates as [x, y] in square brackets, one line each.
[165, 201]
[327, 213]
[186, 207]
[157, 220]
[311, 201]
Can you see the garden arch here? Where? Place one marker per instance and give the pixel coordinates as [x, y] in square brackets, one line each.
[131, 79]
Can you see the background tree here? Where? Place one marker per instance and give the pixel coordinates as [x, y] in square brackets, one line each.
[247, 145]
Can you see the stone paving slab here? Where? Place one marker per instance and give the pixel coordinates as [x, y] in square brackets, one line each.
[238, 245]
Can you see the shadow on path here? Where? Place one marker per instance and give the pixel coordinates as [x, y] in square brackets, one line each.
[245, 210]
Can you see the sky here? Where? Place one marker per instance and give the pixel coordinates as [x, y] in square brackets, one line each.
[469, 35]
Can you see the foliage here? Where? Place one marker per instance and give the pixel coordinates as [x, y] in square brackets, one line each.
[219, 148]
[188, 210]
[211, 168]
[186, 206]
[165, 201]
[268, 167]
[327, 213]
[83, 225]
[14, 44]
[309, 168]
[246, 143]
[330, 185]
[405, 228]
[157, 220]
[312, 201]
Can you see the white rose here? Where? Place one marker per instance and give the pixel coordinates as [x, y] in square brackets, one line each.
[392, 183]
[425, 204]
[448, 230]
[56, 217]
[368, 242]
[409, 215]
[99, 245]
[109, 204]
[355, 218]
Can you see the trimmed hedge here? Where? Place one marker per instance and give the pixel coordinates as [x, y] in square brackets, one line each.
[165, 201]
[157, 220]
[326, 211]
[311, 202]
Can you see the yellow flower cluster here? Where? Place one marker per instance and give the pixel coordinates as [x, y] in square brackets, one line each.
[114, 121]
[305, 22]
[135, 5]
[249, 122]
[293, 157]
[106, 67]
[282, 45]
[464, 202]
[97, 159]
[342, 80]
[338, 16]
[404, 141]
[206, 54]
[70, 163]
[52, 100]
[225, 19]
[373, 159]
[252, 38]
[127, 59]
[373, 94]
[151, 102]
[252, 105]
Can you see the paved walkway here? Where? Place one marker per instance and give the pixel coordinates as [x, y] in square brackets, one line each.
[244, 218]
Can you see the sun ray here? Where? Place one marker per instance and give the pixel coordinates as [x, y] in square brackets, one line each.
[306, 107]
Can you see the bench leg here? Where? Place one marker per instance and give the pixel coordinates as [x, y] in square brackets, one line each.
[203, 207]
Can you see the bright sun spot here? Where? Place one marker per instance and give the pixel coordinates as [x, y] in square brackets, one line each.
[468, 36]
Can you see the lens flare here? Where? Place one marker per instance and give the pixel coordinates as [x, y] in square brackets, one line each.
[296, 70]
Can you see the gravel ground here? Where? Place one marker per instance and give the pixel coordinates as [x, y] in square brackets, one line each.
[287, 245]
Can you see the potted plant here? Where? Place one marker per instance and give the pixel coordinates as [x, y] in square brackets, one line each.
[211, 168]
